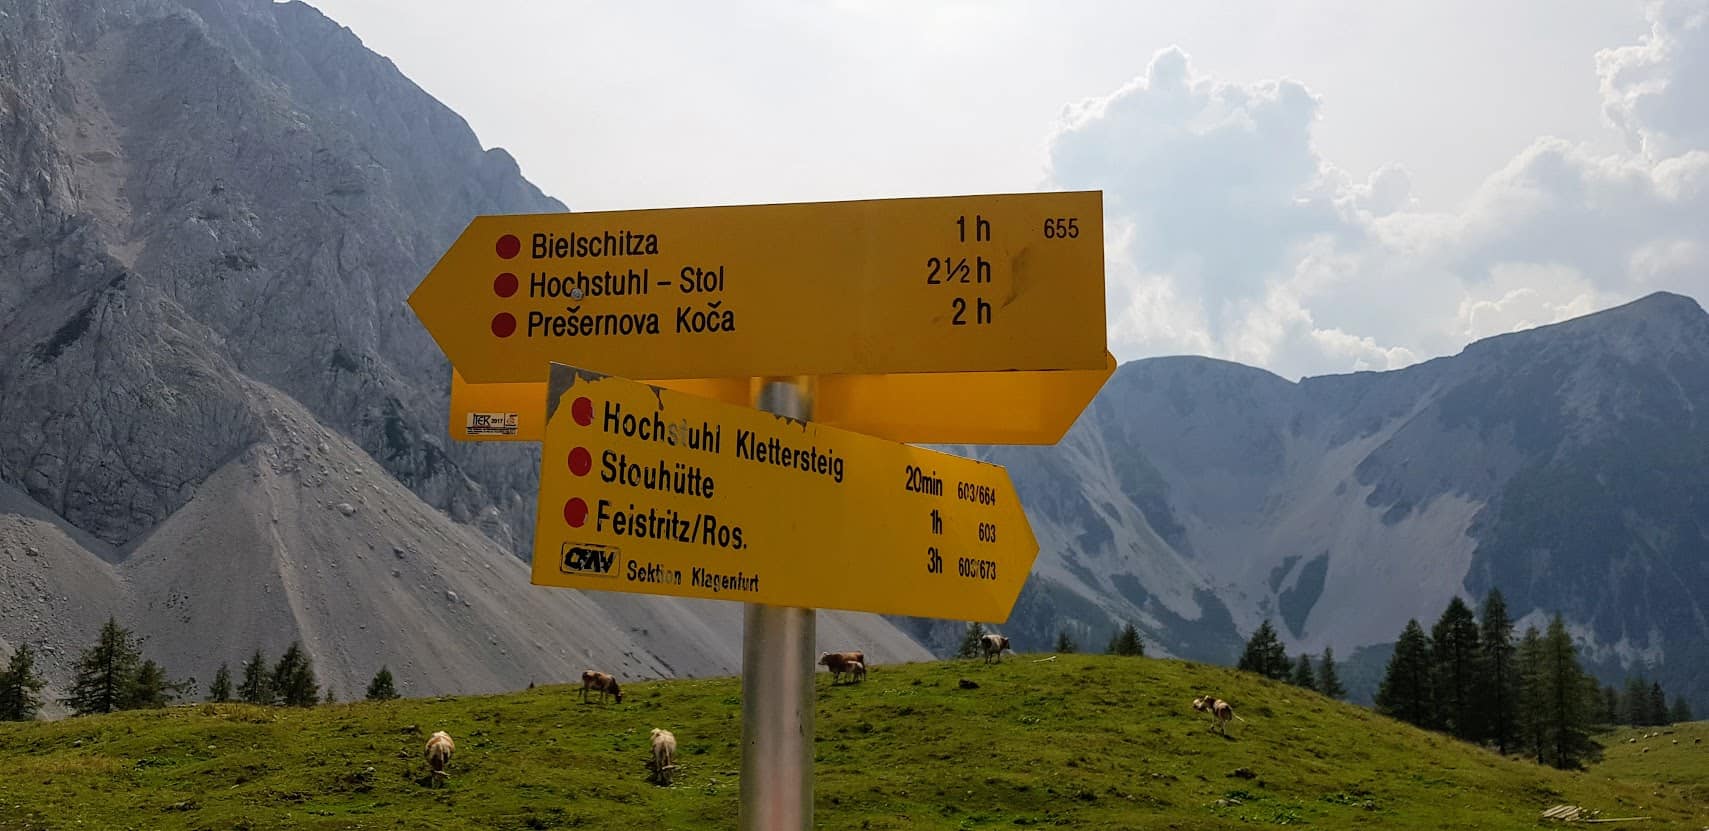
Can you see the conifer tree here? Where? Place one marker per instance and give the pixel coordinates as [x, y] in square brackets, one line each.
[1064, 644]
[294, 678]
[149, 688]
[1455, 657]
[257, 686]
[1498, 679]
[1328, 680]
[1406, 692]
[105, 672]
[382, 688]
[1681, 711]
[20, 686]
[1303, 675]
[970, 641]
[1657, 705]
[1127, 642]
[1265, 654]
[1531, 725]
[1610, 713]
[220, 689]
[1565, 686]
[330, 698]
[1634, 705]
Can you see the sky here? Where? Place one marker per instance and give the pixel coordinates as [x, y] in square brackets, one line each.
[1312, 187]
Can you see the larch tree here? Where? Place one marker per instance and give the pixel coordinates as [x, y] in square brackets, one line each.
[1265, 654]
[1328, 680]
[1406, 692]
[1456, 656]
[20, 686]
[105, 672]
[1498, 679]
[1303, 675]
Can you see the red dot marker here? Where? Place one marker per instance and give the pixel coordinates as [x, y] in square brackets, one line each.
[504, 325]
[581, 461]
[582, 411]
[504, 285]
[509, 246]
[575, 512]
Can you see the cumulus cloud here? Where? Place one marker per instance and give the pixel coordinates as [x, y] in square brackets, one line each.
[1230, 235]
[1525, 296]
[1216, 182]
[1654, 90]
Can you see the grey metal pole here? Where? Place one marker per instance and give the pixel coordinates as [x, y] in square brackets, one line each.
[777, 685]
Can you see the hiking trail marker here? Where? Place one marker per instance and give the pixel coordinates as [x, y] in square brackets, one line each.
[947, 284]
[645, 489]
[957, 319]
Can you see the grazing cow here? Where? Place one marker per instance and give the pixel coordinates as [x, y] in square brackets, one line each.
[601, 682]
[1221, 711]
[664, 755]
[857, 670]
[838, 662]
[993, 645]
[439, 747]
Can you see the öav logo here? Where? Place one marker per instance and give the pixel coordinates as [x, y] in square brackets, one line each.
[588, 559]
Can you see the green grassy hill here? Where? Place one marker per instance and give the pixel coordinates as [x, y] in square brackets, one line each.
[1675, 759]
[1081, 742]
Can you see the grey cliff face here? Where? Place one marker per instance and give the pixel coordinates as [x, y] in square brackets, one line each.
[211, 214]
[1562, 464]
[249, 172]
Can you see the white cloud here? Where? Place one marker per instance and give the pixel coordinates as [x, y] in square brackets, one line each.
[1654, 90]
[1236, 238]
[1218, 180]
[1525, 296]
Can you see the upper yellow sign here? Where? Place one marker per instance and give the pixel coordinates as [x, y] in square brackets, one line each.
[916, 407]
[649, 490]
[939, 284]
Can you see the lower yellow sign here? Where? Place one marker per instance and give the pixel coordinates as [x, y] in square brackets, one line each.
[924, 408]
[651, 490]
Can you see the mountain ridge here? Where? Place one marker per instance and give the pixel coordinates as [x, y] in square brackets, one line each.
[1341, 505]
[211, 215]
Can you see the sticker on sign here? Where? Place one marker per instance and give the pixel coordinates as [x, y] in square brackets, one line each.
[491, 424]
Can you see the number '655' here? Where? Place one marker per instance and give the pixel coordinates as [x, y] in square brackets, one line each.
[1062, 228]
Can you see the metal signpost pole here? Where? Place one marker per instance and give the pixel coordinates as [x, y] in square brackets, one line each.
[777, 685]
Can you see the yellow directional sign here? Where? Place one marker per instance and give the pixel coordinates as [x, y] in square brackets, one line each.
[936, 284]
[921, 407]
[649, 490]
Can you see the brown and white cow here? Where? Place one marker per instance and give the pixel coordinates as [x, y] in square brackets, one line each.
[439, 747]
[601, 682]
[993, 645]
[839, 663]
[1221, 711]
[664, 755]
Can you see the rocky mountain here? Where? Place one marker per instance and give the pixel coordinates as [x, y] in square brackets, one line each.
[226, 428]
[225, 425]
[1567, 465]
